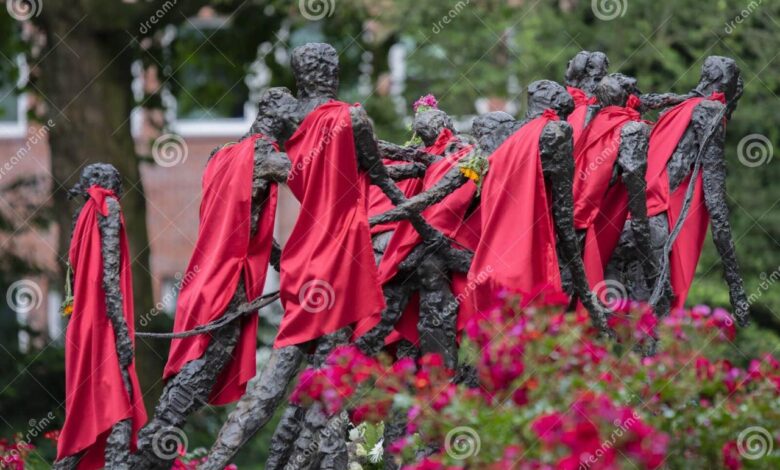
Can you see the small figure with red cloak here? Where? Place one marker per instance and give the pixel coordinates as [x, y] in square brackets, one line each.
[686, 158]
[610, 162]
[103, 403]
[227, 269]
[583, 73]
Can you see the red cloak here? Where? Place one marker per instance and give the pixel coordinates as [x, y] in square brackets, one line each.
[95, 395]
[577, 117]
[378, 202]
[328, 278]
[449, 217]
[598, 208]
[223, 253]
[516, 248]
[687, 248]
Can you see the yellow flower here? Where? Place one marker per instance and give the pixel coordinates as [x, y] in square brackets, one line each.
[470, 174]
[67, 309]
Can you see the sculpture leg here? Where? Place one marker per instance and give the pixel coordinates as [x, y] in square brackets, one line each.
[397, 294]
[117, 451]
[395, 428]
[306, 446]
[286, 431]
[438, 311]
[333, 445]
[186, 393]
[68, 463]
[256, 407]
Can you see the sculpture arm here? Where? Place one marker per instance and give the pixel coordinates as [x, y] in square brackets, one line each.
[451, 181]
[407, 154]
[652, 101]
[110, 227]
[556, 152]
[714, 177]
[406, 171]
[276, 255]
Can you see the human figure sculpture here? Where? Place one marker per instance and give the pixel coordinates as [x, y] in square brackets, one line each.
[694, 129]
[416, 279]
[555, 147]
[583, 74]
[342, 127]
[609, 181]
[99, 339]
[228, 266]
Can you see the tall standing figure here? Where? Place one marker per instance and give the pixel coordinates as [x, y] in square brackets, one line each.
[103, 403]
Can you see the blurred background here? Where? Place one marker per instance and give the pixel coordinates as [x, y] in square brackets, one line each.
[153, 87]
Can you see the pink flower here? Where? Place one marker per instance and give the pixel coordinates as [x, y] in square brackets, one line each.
[425, 103]
[731, 458]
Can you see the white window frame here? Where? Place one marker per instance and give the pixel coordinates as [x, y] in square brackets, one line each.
[18, 128]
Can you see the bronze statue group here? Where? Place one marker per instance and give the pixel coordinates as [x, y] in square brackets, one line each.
[396, 247]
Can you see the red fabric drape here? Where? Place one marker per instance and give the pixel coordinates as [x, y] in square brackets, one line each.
[328, 278]
[447, 216]
[577, 117]
[378, 202]
[95, 395]
[224, 251]
[599, 209]
[517, 245]
[687, 248]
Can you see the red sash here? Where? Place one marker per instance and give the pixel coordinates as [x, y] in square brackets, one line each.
[577, 117]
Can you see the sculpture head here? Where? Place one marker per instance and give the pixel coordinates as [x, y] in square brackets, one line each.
[97, 174]
[491, 129]
[276, 114]
[611, 92]
[316, 70]
[721, 74]
[628, 83]
[429, 124]
[544, 94]
[586, 70]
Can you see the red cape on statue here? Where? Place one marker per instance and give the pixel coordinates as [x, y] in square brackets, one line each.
[328, 279]
[577, 117]
[95, 395]
[378, 202]
[516, 248]
[599, 209]
[224, 252]
[449, 217]
[664, 138]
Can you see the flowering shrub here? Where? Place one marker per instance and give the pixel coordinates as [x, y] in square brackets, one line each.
[547, 393]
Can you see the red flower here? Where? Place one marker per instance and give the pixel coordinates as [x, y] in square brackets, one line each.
[731, 457]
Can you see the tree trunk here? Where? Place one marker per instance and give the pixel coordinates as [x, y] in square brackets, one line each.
[85, 81]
